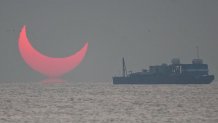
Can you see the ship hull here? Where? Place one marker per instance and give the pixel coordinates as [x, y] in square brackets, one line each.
[157, 79]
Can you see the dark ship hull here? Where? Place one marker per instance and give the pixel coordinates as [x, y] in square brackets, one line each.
[152, 79]
[175, 73]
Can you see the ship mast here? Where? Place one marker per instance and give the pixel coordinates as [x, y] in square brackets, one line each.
[124, 68]
[197, 60]
[197, 49]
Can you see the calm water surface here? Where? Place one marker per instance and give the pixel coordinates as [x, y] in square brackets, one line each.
[106, 103]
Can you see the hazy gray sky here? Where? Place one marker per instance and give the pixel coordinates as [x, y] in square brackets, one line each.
[145, 32]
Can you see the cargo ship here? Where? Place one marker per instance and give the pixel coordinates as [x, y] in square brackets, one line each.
[175, 73]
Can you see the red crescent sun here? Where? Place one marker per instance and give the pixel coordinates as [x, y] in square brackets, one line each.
[48, 66]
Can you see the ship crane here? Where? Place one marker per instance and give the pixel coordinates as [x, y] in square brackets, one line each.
[124, 68]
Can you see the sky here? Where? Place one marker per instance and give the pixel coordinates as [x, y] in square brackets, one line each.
[144, 32]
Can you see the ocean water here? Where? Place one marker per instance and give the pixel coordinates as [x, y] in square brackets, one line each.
[103, 102]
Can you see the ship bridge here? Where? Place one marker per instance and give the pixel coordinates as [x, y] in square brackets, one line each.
[196, 68]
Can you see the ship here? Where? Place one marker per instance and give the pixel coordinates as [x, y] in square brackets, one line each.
[196, 72]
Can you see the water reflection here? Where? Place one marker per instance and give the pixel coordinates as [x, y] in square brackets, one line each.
[53, 80]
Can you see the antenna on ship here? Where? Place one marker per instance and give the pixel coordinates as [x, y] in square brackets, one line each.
[197, 60]
[197, 49]
[124, 68]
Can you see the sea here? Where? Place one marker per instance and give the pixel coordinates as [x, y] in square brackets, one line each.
[103, 102]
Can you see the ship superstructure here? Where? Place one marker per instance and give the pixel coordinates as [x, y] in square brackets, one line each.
[196, 72]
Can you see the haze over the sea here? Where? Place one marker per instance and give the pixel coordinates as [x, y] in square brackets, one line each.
[144, 32]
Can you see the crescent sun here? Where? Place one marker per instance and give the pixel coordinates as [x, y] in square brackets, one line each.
[48, 66]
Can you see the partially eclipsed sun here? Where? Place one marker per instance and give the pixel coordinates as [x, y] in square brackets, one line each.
[49, 66]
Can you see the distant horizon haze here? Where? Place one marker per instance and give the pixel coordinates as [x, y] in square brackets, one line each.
[144, 32]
